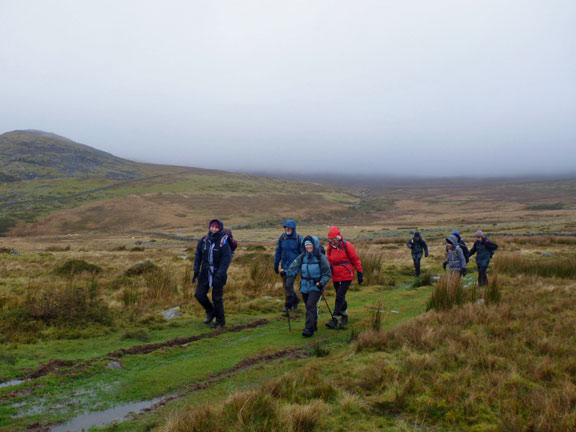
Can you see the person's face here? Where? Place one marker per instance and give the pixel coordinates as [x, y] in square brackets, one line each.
[479, 238]
[214, 229]
[333, 241]
[449, 246]
[309, 248]
[288, 230]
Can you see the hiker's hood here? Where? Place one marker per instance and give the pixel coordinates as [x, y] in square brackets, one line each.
[290, 223]
[417, 234]
[334, 232]
[314, 240]
[452, 239]
[218, 221]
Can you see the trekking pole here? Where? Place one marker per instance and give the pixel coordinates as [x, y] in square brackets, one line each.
[285, 302]
[326, 301]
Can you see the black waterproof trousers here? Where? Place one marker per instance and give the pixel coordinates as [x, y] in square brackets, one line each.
[417, 258]
[482, 277]
[311, 302]
[216, 307]
[292, 299]
[341, 289]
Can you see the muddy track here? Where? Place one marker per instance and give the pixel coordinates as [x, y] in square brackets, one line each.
[72, 367]
[266, 358]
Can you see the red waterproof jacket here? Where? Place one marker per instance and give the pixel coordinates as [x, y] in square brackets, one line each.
[343, 259]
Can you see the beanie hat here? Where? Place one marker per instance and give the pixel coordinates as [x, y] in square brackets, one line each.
[308, 242]
[479, 233]
[215, 224]
[456, 233]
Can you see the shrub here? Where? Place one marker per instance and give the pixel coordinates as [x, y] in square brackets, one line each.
[76, 266]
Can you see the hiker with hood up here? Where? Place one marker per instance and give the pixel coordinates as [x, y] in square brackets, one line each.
[343, 260]
[454, 256]
[288, 248]
[212, 258]
[418, 247]
[315, 272]
[484, 249]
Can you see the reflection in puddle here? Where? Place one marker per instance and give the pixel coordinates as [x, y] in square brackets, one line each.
[103, 418]
[12, 383]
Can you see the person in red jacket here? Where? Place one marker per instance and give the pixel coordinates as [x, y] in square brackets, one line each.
[343, 259]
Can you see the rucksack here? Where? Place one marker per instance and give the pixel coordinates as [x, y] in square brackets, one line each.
[465, 251]
[228, 234]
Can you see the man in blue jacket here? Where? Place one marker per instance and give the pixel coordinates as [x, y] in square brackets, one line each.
[212, 258]
[288, 248]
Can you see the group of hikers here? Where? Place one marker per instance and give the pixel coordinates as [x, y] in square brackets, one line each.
[457, 253]
[296, 255]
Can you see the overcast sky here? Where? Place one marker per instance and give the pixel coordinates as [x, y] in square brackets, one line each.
[411, 87]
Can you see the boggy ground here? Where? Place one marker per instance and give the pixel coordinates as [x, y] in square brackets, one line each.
[476, 367]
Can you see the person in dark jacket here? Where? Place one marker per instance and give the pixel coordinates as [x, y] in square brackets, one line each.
[454, 256]
[289, 246]
[463, 245]
[343, 260]
[315, 271]
[484, 250]
[418, 247]
[212, 258]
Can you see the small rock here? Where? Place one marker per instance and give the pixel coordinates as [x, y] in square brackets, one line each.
[14, 252]
[183, 257]
[114, 365]
[171, 313]
[480, 301]
[267, 297]
[394, 311]
[547, 254]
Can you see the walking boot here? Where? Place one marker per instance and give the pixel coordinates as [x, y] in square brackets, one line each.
[332, 324]
[344, 320]
[307, 332]
[216, 325]
[209, 317]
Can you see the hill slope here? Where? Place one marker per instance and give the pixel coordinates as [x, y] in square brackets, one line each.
[52, 185]
[32, 154]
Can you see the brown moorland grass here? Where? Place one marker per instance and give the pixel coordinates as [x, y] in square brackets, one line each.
[508, 366]
[562, 267]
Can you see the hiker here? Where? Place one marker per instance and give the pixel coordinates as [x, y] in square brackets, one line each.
[418, 246]
[343, 259]
[315, 272]
[484, 250]
[462, 244]
[454, 256]
[212, 258]
[288, 248]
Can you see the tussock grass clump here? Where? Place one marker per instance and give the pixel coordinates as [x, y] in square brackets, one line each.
[76, 266]
[541, 266]
[372, 266]
[57, 248]
[504, 366]
[141, 268]
[449, 292]
[293, 403]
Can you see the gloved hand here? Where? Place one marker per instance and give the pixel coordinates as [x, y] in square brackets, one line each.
[283, 273]
[320, 286]
[276, 269]
[426, 256]
[464, 272]
[360, 278]
[195, 277]
[444, 265]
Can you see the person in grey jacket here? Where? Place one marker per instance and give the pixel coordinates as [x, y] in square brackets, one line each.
[484, 250]
[418, 247]
[454, 256]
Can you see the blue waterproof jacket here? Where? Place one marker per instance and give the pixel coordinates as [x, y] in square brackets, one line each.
[484, 251]
[313, 266]
[288, 247]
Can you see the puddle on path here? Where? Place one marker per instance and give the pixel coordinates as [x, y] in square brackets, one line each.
[11, 383]
[103, 418]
